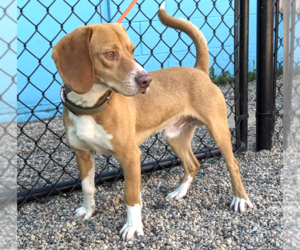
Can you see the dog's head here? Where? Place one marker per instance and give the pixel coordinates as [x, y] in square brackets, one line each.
[100, 54]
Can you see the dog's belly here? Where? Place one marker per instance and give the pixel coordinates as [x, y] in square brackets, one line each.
[86, 134]
[176, 128]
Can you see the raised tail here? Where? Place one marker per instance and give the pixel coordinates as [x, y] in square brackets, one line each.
[202, 58]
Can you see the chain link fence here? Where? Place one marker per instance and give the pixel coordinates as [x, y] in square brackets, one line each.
[8, 104]
[291, 119]
[8, 124]
[46, 165]
[278, 70]
[292, 104]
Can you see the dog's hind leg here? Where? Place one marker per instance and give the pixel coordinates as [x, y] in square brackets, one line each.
[181, 145]
[221, 135]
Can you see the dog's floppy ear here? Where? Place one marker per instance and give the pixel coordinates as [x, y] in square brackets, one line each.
[73, 60]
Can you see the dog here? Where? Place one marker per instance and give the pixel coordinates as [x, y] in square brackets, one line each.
[110, 107]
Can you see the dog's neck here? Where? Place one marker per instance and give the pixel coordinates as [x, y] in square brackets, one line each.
[90, 98]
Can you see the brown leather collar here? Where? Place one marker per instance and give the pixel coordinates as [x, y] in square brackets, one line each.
[79, 110]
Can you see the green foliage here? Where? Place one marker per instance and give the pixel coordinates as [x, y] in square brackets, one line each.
[212, 75]
[252, 75]
[226, 77]
[221, 79]
[279, 71]
[296, 71]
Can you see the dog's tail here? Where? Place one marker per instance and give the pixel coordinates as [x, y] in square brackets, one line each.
[202, 57]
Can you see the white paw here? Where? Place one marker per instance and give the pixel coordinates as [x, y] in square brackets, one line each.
[240, 204]
[178, 193]
[134, 225]
[129, 231]
[181, 191]
[86, 212]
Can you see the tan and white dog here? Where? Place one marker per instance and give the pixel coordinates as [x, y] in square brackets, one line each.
[96, 63]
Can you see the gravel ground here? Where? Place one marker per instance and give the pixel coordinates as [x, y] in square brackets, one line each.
[291, 173]
[8, 173]
[8, 135]
[291, 201]
[200, 221]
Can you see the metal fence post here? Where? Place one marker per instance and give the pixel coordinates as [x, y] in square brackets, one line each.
[237, 73]
[265, 85]
[243, 61]
[288, 41]
[241, 41]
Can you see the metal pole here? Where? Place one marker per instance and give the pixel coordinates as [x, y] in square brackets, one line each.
[288, 45]
[276, 28]
[265, 87]
[244, 45]
[237, 73]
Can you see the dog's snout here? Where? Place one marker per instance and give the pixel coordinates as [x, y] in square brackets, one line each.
[143, 80]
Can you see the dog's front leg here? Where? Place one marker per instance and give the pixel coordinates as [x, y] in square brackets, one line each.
[132, 172]
[86, 164]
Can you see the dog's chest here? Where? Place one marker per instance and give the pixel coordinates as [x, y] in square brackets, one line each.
[86, 134]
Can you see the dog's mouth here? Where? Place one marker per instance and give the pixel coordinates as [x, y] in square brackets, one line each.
[144, 91]
[128, 95]
[115, 90]
[140, 91]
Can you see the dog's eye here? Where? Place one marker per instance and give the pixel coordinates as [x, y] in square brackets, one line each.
[110, 54]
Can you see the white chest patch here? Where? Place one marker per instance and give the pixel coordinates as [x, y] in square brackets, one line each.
[86, 134]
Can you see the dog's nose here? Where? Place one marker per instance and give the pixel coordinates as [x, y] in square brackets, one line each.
[143, 81]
